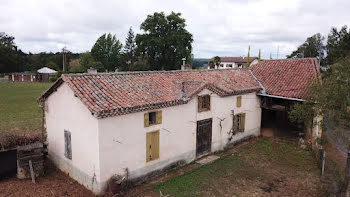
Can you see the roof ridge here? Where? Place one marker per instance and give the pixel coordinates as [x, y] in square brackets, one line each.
[151, 72]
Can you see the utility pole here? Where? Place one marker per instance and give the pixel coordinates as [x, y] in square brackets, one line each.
[64, 57]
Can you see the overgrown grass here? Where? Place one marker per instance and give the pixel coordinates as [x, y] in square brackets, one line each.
[19, 111]
[259, 164]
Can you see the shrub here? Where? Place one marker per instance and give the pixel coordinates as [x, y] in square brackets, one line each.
[13, 140]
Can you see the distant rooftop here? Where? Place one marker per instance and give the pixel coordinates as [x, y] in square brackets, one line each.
[236, 59]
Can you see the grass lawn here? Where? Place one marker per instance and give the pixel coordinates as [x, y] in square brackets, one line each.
[265, 167]
[19, 111]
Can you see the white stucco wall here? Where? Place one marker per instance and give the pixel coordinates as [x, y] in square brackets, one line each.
[105, 147]
[123, 138]
[66, 112]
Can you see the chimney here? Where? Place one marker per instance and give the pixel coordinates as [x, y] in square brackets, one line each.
[185, 66]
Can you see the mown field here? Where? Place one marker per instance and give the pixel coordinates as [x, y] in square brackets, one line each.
[19, 111]
[266, 167]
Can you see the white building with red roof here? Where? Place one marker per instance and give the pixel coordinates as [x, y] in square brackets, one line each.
[141, 123]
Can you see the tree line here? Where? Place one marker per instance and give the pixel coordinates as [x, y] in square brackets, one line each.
[336, 47]
[161, 46]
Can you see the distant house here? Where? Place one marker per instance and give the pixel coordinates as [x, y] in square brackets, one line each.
[233, 62]
[42, 75]
[142, 123]
[23, 77]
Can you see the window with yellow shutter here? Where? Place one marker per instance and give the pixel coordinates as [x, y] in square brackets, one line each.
[239, 101]
[238, 123]
[152, 146]
[152, 118]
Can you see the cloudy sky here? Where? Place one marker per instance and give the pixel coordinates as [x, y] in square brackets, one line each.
[220, 27]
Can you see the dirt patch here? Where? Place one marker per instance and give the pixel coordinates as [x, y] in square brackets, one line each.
[53, 183]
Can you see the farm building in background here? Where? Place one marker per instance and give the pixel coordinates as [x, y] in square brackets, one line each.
[233, 62]
[137, 124]
[42, 75]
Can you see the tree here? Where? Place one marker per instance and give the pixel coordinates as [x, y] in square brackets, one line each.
[215, 63]
[107, 50]
[165, 41]
[9, 58]
[332, 98]
[248, 57]
[87, 61]
[129, 48]
[259, 56]
[312, 47]
[338, 44]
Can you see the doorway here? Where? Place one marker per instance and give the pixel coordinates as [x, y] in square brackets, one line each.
[204, 133]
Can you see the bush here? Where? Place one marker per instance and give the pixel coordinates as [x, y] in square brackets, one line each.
[13, 140]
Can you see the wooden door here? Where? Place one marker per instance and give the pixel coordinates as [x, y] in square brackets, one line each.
[204, 136]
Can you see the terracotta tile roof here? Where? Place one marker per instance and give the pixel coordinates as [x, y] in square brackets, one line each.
[235, 59]
[287, 77]
[121, 93]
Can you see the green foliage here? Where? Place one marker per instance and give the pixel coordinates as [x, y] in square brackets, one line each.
[312, 47]
[141, 65]
[87, 61]
[302, 112]
[165, 41]
[215, 62]
[333, 96]
[248, 57]
[338, 44]
[199, 62]
[107, 50]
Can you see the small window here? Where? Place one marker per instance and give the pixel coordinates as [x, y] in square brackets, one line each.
[229, 65]
[152, 146]
[203, 103]
[221, 65]
[67, 144]
[238, 123]
[152, 118]
[239, 101]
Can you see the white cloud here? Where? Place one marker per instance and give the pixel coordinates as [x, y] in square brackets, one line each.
[219, 27]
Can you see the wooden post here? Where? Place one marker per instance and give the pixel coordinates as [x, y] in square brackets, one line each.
[322, 160]
[31, 171]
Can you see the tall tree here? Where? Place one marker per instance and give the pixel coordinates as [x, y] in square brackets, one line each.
[107, 50]
[130, 46]
[248, 57]
[338, 44]
[312, 47]
[165, 41]
[9, 58]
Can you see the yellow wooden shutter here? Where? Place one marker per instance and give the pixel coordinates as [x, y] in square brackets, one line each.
[208, 102]
[200, 100]
[146, 119]
[234, 123]
[159, 117]
[239, 101]
[152, 146]
[155, 142]
[242, 125]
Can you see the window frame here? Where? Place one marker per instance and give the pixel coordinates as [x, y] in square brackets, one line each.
[204, 103]
[68, 144]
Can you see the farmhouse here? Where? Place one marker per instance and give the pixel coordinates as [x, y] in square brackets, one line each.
[140, 123]
[233, 62]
